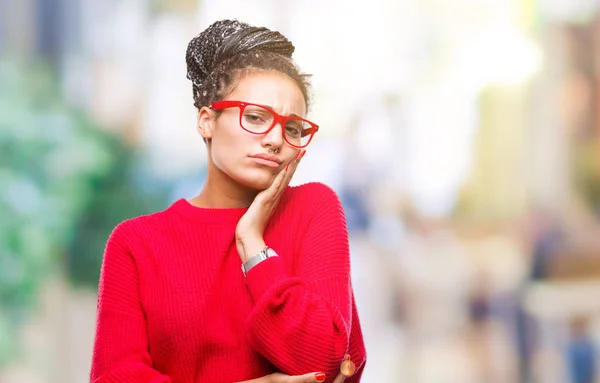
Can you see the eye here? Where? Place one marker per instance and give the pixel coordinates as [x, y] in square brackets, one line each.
[293, 130]
[254, 118]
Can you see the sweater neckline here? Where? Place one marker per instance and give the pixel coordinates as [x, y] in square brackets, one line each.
[184, 208]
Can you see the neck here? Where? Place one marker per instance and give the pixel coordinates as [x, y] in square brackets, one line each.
[220, 191]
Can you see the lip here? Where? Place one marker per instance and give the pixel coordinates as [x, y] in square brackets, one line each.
[267, 160]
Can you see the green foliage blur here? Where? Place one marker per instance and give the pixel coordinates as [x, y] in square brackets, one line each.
[65, 184]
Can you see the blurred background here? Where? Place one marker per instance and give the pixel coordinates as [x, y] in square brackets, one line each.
[462, 137]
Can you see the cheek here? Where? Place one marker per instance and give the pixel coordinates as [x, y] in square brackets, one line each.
[290, 154]
[227, 150]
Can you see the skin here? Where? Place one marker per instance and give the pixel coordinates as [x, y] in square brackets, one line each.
[233, 179]
[282, 378]
[236, 180]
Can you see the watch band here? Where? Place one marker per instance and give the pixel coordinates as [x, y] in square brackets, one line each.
[266, 253]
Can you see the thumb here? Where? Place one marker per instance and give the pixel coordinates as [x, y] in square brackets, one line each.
[339, 378]
[313, 377]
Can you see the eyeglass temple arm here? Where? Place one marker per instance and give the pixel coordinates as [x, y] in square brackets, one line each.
[308, 131]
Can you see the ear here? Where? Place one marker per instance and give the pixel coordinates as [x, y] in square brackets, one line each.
[205, 124]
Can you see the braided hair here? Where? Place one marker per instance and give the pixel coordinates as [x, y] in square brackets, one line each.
[228, 49]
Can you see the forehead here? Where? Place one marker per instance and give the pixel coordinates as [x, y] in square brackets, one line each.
[271, 88]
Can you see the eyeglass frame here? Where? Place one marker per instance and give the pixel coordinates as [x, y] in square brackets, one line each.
[277, 119]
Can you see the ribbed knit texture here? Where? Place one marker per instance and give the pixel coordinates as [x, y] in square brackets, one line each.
[174, 306]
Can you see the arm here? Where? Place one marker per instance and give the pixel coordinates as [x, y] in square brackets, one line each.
[303, 323]
[121, 344]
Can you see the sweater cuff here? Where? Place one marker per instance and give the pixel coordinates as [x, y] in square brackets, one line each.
[264, 275]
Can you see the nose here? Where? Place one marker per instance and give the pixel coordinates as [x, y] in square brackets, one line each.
[274, 137]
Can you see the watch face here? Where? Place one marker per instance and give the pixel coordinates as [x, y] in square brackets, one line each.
[271, 252]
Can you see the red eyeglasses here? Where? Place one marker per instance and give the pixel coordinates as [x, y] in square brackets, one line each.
[260, 119]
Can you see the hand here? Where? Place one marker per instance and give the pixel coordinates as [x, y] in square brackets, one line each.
[347, 369]
[251, 227]
[278, 377]
[313, 377]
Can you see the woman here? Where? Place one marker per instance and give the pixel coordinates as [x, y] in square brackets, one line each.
[250, 279]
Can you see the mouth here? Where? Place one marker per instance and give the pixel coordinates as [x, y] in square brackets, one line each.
[261, 161]
[267, 160]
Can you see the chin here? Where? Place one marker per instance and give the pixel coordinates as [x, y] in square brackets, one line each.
[257, 180]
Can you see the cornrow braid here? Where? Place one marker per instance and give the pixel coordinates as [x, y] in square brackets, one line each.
[228, 49]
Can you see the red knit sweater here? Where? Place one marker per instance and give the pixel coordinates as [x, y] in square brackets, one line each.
[174, 306]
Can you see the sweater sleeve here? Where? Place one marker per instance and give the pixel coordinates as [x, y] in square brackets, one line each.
[121, 343]
[303, 323]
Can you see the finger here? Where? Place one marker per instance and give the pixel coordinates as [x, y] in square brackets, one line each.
[348, 368]
[298, 157]
[312, 377]
[283, 178]
[339, 378]
[270, 193]
[292, 166]
[275, 185]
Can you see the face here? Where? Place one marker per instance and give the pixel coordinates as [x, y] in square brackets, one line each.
[232, 150]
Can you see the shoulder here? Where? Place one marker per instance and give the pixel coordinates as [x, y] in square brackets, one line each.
[137, 228]
[314, 200]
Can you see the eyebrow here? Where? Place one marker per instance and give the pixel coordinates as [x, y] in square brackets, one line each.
[292, 114]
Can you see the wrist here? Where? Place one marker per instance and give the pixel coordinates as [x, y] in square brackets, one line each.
[250, 247]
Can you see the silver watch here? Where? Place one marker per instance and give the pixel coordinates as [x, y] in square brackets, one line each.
[267, 252]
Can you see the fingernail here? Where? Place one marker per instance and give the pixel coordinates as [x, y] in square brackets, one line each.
[298, 155]
[287, 166]
[320, 377]
[303, 153]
